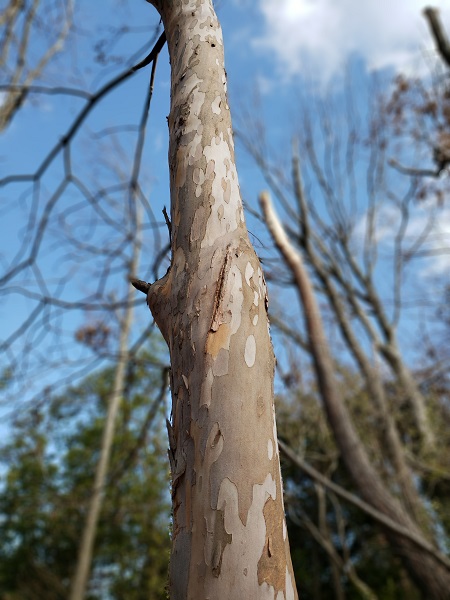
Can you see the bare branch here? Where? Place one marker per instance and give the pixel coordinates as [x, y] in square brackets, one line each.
[354, 455]
[82, 115]
[17, 94]
[437, 30]
[364, 506]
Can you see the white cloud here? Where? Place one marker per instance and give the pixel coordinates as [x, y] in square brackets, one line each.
[436, 248]
[316, 37]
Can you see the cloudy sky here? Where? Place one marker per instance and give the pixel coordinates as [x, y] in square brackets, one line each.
[321, 35]
[314, 40]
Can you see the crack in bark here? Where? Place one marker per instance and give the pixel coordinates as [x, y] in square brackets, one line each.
[220, 290]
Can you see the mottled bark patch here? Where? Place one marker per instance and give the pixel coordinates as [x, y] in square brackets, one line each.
[211, 307]
[272, 564]
[220, 540]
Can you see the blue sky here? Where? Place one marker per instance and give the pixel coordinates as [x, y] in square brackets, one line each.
[278, 52]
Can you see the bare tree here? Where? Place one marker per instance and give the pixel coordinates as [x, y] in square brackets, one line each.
[20, 66]
[430, 574]
[82, 217]
[72, 228]
[80, 579]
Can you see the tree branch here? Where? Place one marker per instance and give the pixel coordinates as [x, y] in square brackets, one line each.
[353, 499]
[439, 35]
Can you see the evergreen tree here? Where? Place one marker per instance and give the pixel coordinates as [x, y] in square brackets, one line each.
[48, 467]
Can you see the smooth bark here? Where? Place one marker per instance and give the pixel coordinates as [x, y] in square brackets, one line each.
[229, 531]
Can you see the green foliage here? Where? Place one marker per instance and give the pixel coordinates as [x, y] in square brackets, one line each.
[47, 477]
[355, 537]
[6, 376]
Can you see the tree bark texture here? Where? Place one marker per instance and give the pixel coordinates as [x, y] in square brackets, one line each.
[229, 531]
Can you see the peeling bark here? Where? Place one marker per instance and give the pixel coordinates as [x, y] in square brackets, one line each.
[229, 532]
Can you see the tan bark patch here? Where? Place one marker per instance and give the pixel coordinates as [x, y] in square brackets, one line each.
[272, 564]
[217, 340]
[221, 539]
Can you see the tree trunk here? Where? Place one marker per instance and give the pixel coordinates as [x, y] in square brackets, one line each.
[83, 566]
[229, 532]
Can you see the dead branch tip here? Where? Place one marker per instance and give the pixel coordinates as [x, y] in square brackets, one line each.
[140, 285]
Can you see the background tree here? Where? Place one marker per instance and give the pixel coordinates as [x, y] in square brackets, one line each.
[363, 308]
[48, 485]
[26, 24]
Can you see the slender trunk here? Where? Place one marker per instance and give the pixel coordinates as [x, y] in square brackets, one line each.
[430, 574]
[402, 473]
[85, 551]
[327, 542]
[410, 495]
[229, 532]
[412, 394]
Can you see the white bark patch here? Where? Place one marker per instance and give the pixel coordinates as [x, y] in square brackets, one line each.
[225, 186]
[241, 556]
[256, 298]
[275, 437]
[199, 177]
[270, 592]
[215, 106]
[249, 270]
[250, 351]
[255, 320]
[205, 27]
[261, 283]
[206, 391]
[186, 381]
[284, 530]
[270, 449]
